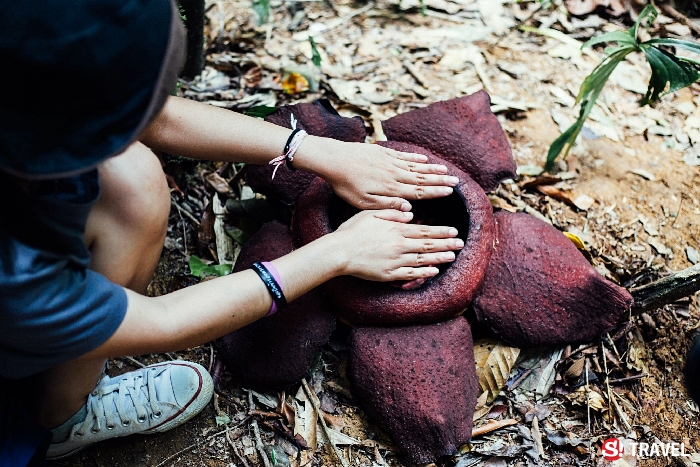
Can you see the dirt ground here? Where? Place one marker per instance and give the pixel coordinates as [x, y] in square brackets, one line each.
[629, 191]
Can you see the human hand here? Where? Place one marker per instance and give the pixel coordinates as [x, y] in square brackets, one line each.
[382, 246]
[369, 176]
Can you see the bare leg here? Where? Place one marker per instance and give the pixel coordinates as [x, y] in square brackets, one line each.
[125, 233]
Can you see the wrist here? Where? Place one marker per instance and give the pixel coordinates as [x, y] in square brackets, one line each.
[333, 253]
[312, 156]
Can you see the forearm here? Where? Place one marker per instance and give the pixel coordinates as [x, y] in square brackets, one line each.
[209, 310]
[192, 129]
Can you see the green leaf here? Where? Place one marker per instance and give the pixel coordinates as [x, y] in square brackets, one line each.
[240, 236]
[222, 419]
[315, 56]
[687, 45]
[219, 270]
[200, 269]
[262, 10]
[197, 266]
[598, 77]
[260, 111]
[623, 38]
[668, 73]
[588, 94]
[646, 18]
[423, 8]
[566, 138]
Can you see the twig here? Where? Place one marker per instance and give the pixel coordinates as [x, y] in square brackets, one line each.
[588, 396]
[264, 413]
[621, 415]
[259, 444]
[576, 352]
[678, 212]
[200, 442]
[667, 290]
[493, 425]
[416, 73]
[238, 176]
[612, 344]
[628, 379]
[537, 437]
[520, 379]
[133, 361]
[678, 16]
[338, 21]
[312, 398]
[235, 451]
[182, 211]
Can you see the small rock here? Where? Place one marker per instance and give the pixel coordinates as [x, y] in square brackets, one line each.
[692, 254]
[659, 247]
[644, 174]
[584, 202]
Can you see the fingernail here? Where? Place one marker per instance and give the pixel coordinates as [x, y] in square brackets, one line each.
[407, 215]
[453, 180]
[449, 256]
[452, 232]
[446, 190]
[442, 168]
[459, 243]
[405, 206]
[434, 271]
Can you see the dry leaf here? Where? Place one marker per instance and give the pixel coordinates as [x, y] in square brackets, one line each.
[482, 408]
[305, 419]
[556, 193]
[294, 83]
[576, 369]
[595, 400]
[494, 362]
[218, 183]
[659, 247]
[584, 202]
[648, 226]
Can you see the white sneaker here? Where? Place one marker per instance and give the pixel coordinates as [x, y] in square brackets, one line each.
[151, 400]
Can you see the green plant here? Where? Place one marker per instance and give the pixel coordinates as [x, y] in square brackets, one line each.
[200, 269]
[315, 55]
[669, 73]
[260, 111]
[262, 10]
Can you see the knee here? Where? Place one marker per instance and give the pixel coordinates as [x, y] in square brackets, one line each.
[135, 192]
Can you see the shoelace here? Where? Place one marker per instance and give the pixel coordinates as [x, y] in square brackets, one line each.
[102, 403]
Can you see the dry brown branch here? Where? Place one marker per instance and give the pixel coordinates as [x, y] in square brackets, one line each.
[678, 16]
[493, 425]
[312, 398]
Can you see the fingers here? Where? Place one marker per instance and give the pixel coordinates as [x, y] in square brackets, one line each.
[428, 232]
[408, 273]
[437, 245]
[417, 167]
[426, 179]
[410, 156]
[427, 259]
[393, 215]
[387, 202]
